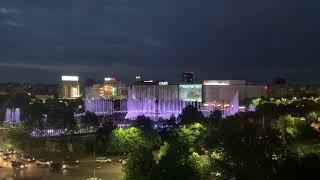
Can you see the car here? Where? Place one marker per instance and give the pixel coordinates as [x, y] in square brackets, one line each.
[103, 160]
[56, 166]
[123, 161]
[6, 156]
[11, 151]
[18, 165]
[94, 177]
[27, 158]
[43, 163]
[70, 164]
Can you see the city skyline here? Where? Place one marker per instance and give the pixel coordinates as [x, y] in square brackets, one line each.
[159, 89]
[256, 41]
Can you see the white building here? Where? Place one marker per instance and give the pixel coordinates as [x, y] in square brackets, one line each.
[69, 87]
[219, 92]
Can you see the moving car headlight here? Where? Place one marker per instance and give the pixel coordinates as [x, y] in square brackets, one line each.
[22, 166]
[64, 166]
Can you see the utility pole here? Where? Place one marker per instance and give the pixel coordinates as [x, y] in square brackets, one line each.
[94, 151]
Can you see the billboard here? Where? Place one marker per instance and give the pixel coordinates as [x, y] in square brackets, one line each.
[190, 92]
[70, 78]
[223, 82]
[216, 82]
[107, 79]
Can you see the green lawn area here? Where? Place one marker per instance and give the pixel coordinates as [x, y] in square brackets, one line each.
[305, 147]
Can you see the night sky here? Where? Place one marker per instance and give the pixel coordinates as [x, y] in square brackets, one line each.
[255, 40]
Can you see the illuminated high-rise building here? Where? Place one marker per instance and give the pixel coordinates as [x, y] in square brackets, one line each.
[111, 89]
[138, 77]
[188, 77]
[69, 87]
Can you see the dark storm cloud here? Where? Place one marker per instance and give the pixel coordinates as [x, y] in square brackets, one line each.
[218, 39]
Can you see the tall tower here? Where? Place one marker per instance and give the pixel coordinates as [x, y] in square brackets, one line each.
[138, 78]
[188, 77]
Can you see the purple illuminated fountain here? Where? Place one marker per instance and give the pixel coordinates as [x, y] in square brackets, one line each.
[99, 106]
[234, 106]
[154, 103]
[12, 115]
[252, 108]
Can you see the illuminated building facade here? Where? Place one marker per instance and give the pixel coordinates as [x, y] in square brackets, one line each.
[111, 89]
[219, 93]
[105, 98]
[190, 92]
[69, 87]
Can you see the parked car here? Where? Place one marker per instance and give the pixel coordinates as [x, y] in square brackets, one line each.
[18, 165]
[103, 160]
[27, 158]
[55, 166]
[124, 162]
[6, 156]
[94, 178]
[43, 163]
[11, 151]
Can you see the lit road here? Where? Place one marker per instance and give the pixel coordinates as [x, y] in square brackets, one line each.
[112, 171]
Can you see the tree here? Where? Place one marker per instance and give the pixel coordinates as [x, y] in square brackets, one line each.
[3, 106]
[200, 165]
[35, 115]
[125, 140]
[287, 126]
[77, 105]
[90, 120]
[190, 134]
[21, 138]
[178, 157]
[173, 163]
[140, 165]
[103, 132]
[312, 117]
[166, 127]
[103, 135]
[150, 135]
[69, 120]
[143, 123]
[214, 119]
[190, 115]
[18, 136]
[60, 116]
[19, 100]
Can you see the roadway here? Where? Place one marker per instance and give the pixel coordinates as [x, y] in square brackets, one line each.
[86, 169]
